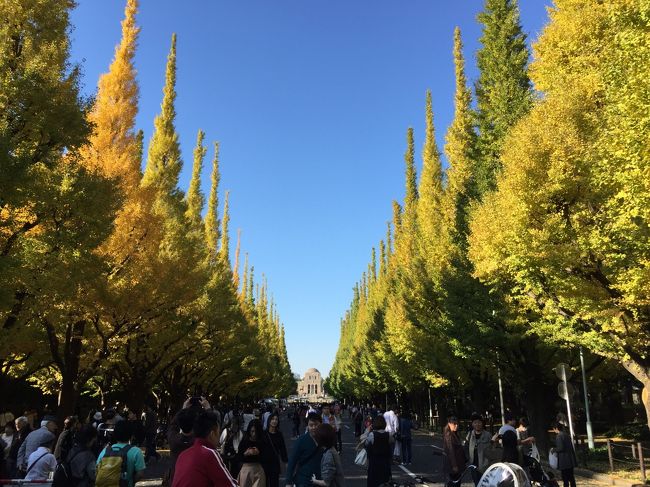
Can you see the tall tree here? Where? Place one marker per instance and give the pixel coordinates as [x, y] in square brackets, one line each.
[568, 223]
[212, 217]
[503, 89]
[194, 198]
[164, 156]
[461, 151]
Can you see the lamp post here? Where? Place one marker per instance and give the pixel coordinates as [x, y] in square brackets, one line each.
[590, 434]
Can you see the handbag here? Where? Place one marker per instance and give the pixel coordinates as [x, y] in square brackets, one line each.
[534, 453]
[553, 460]
[362, 458]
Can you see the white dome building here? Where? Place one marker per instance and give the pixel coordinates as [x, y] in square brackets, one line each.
[310, 388]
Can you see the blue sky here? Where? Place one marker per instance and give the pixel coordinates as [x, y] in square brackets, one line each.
[310, 101]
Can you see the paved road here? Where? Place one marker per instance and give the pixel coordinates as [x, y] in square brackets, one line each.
[425, 462]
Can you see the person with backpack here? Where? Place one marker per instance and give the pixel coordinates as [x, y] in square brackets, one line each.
[78, 469]
[120, 464]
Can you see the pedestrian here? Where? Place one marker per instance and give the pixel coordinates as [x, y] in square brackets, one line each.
[508, 436]
[9, 436]
[566, 455]
[278, 451]
[64, 444]
[253, 453]
[338, 423]
[296, 422]
[392, 427]
[34, 440]
[454, 459]
[81, 459]
[379, 445]
[265, 417]
[405, 427]
[180, 437]
[201, 465]
[357, 418]
[133, 456]
[525, 441]
[326, 413]
[230, 439]
[477, 442]
[304, 461]
[41, 462]
[330, 465]
[23, 430]
[150, 421]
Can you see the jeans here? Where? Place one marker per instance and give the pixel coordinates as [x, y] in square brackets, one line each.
[407, 452]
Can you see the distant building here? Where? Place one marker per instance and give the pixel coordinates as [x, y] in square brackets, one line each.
[310, 388]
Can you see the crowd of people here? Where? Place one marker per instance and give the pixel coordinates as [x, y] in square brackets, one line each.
[477, 449]
[245, 447]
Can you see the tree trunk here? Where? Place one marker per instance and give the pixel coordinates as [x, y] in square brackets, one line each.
[642, 373]
[70, 374]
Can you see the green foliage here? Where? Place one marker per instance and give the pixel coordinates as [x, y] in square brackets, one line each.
[503, 89]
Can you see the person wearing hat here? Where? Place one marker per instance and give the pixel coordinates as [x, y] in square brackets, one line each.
[41, 462]
[34, 440]
[455, 459]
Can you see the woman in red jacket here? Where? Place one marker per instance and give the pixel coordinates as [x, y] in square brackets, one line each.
[201, 465]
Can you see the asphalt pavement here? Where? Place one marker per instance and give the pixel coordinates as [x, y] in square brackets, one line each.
[426, 462]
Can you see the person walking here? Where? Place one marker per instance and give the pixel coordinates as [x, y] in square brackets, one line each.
[379, 446]
[278, 451]
[34, 440]
[566, 455]
[66, 440]
[330, 465]
[357, 418]
[508, 436]
[405, 427]
[41, 462]
[81, 459]
[253, 453]
[180, 437]
[296, 421]
[338, 422]
[392, 427]
[305, 458]
[454, 460]
[23, 430]
[121, 446]
[477, 442]
[230, 439]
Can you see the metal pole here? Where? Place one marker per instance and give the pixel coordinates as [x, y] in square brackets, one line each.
[503, 411]
[430, 410]
[590, 434]
[568, 405]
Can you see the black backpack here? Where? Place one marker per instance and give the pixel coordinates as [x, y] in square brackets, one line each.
[63, 474]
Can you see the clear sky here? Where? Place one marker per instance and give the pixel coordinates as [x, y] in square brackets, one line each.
[310, 101]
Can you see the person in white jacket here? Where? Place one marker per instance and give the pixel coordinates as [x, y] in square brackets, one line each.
[392, 427]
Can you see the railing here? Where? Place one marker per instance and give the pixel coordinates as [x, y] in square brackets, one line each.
[628, 455]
